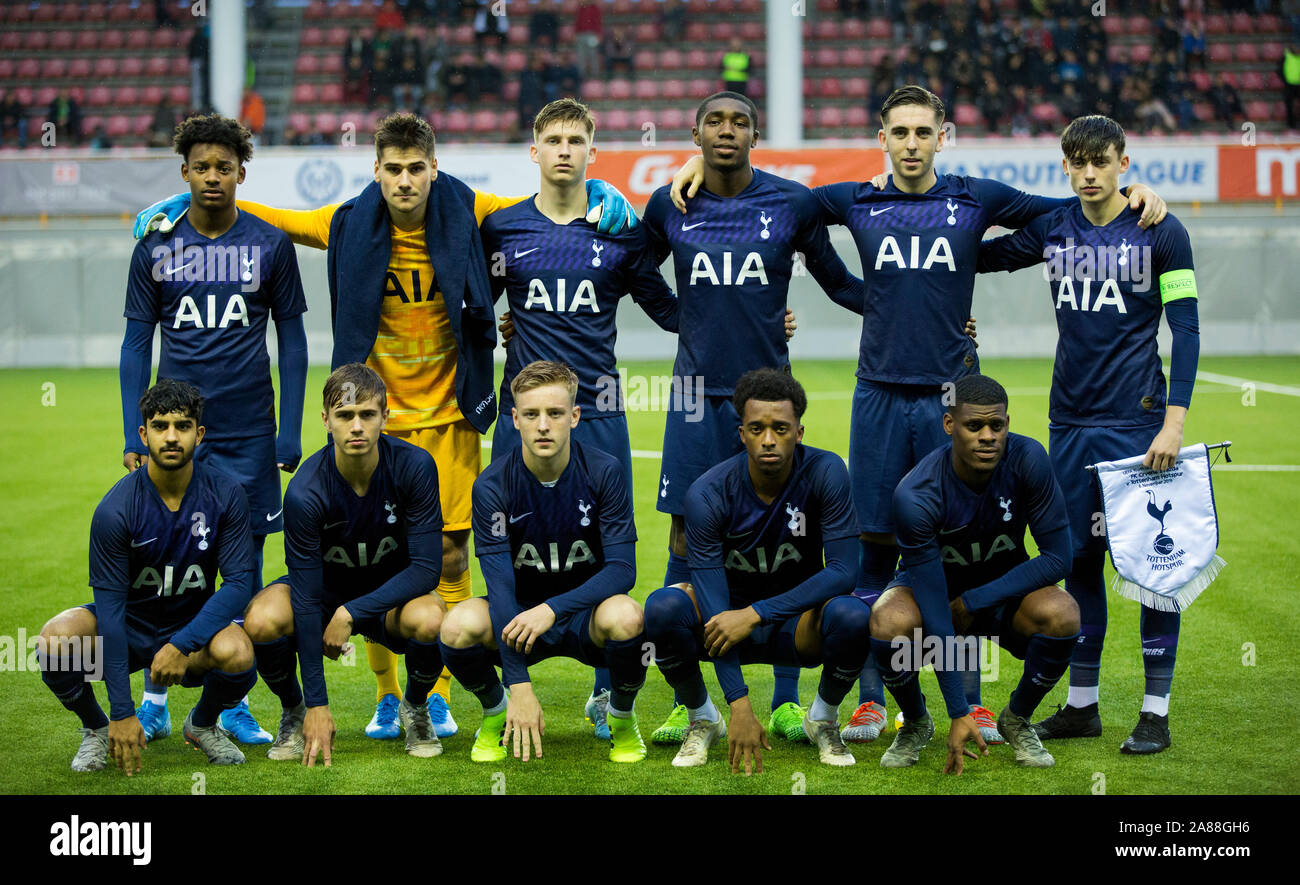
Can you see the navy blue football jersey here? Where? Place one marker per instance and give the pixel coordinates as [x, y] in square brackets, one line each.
[978, 536]
[556, 535]
[768, 549]
[166, 565]
[563, 283]
[733, 258]
[212, 298]
[919, 255]
[347, 549]
[1109, 284]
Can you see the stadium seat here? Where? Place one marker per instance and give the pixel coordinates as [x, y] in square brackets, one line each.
[823, 29]
[510, 90]
[484, 121]
[44, 13]
[1260, 110]
[336, 37]
[152, 95]
[809, 117]
[141, 123]
[29, 69]
[332, 64]
[1272, 80]
[131, 66]
[674, 90]
[853, 29]
[157, 66]
[11, 41]
[7, 68]
[45, 95]
[1231, 79]
[1271, 52]
[515, 61]
[1218, 53]
[676, 120]
[830, 117]
[698, 32]
[1268, 24]
[646, 90]
[594, 90]
[854, 58]
[826, 58]
[179, 95]
[180, 66]
[701, 86]
[671, 60]
[646, 32]
[126, 96]
[163, 40]
[1201, 80]
[645, 60]
[567, 35]
[312, 37]
[1139, 25]
[119, 11]
[304, 93]
[455, 121]
[699, 7]
[1141, 53]
[830, 87]
[316, 10]
[967, 115]
[24, 95]
[751, 32]
[750, 6]
[464, 35]
[517, 35]
[331, 93]
[1242, 23]
[1046, 113]
[1217, 24]
[614, 120]
[1112, 25]
[327, 123]
[99, 96]
[117, 126]
[619, 90]
[36, 41]
[298, 120]
[1247, 53]
[828, 6]
[95, 12]
[857, 118]
[61, 41]
[1204, 111]
[757, 89]
[54, 68]
[306, 65]
[136, 40]
[879, 29]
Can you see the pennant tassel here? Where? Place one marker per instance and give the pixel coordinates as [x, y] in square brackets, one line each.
[1181, 599]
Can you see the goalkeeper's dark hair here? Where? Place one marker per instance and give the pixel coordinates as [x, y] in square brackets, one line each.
[977, 390]
[1086, 138]
[769, 386]
[213, 129]
[169, 396]
[734, 96]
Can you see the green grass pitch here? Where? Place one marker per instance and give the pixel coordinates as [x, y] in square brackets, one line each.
[1229, 714]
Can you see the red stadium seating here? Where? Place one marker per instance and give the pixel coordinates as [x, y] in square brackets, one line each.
[1261, 110]
[966, 115]
[141, 123]
[879, 29]
[515, 61]
[95, 12]
[163, 40]
[136, 41]
[45, 95]
[179, 95]
[36, 41]
[327, 123]
[857, 118]
[676, 119]
[151, 95]
[646, 90]
[485, 121]
[1248, 52]
[1201, 80]
[752, 32]
[671, 60]
[336, 36]
[45, 13]
[674, 90]
[854, 57]
[11, 41]
[455, 121]
[856, 87]
[304, 93]
[1140, 54]
[518, 35]
[306, 65]
[98, 96]
[1046, 113]
[316, 10]
[117, 126]
[510, 91]
[645, 60]
[54, 68]
[125, 96]
[1271, 52]
[1217, 24]
[299, 121]
[1243, 23]
[615, 120]
[830, 117]
[312, 37]
[646, 33]
[1204, 111]
[331, 93]
[24, 95]
[120, 11]
[1219, 53]
[1268, 24]
[180, 66]
[594, 90]
[131, 66]
[826, 58]
[619, 90]
[332, 64]
[28, 69]
[7, 68]
[157, 66]
[700, 87]
[698, 32]
[1252, 80]
[61, 41]
[853, 29]
[830, 87]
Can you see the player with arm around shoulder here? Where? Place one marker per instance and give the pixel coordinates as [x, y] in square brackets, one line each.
[962, 513]
[554, 534]
[363, 543]
[771, 538]
[157, 542]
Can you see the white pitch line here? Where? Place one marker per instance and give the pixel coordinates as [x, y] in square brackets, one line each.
[1262, 386]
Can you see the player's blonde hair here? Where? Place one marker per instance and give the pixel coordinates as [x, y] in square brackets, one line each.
[564, 110]
[542, 373]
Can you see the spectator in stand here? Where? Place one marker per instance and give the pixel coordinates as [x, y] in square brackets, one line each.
[533, 94]
[1022, 121]
[389, 17]
[252, 111]
[966, 80]
[544, 25]
[1119, 69]
[1070, 101]
[1166, 76]
[1184, 109]
[487, 24]
[13, 120]
[987, 22]
[618, 53]
[65, 114]
[458, 81]
[1227, 103]
[589, 32]
[1093, 37]
[1012, 40]
[1193, 44]
[198, 55]
[1065, 36]
[1070, 71]
[436, 51]
[419, 11]
[564, 78]
[409, 45]
[992, 103]
[360, 47]
[382, 80]
[1167, 33]
[853, 8]
[735, 67]
[489, 75]
[1291, 12]
[1153, 115]
[672, 20]
[356, 82]
[162, 15]
[408, 84]
[99, 140]
[1038, 39]
[1289, 70]
[1099, 95]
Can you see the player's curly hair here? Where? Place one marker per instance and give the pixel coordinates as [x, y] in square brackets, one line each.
[769, 386]
[213, 129]
[911, 94]
[354, 383]
[564, 110]
[168, 396]
[541, 373]
[977, 390]
[734, 96]
[403, 131]
[1086, 138]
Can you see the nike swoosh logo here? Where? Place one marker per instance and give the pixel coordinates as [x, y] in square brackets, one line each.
[515, 519]
[168, 271]
[686, 227]
[333, 525]
[1064, 248]
[950, 531]
[142, 543]
[875, 212]
[732, 537]
[519, 254]
[270, 517]
[1149, 641]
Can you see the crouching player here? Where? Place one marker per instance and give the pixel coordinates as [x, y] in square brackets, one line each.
[363, 543]
[961, 515]
[554, 535]
[757, 525]
[157, 542]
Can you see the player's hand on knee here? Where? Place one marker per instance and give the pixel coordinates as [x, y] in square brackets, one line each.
[125, 741]
[688, 178]
[337, 633]
[168, 666]
[525, 723]
[526, 627]
[317, 736]
[506, 327]
[1153, 207]
[962, 731]
[790, 324]
[746, 739]
[133, 461]
[725, 630]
